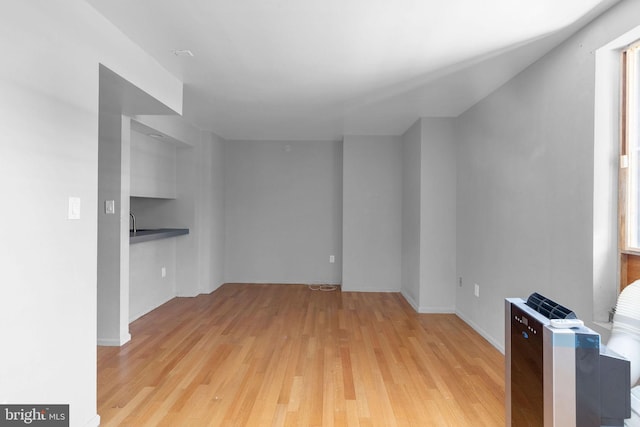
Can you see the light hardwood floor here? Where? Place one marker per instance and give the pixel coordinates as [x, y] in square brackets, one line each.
[284, 355]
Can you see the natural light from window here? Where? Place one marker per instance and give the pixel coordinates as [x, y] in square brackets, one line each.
[631, 116]
[611, 256]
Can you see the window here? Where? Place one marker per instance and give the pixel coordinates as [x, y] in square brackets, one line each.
[609, 250]
[629, 176]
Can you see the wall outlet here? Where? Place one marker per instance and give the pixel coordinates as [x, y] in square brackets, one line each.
[163, 272]
[476, 290]
[332, 259]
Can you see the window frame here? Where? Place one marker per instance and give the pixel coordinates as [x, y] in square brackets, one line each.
[628, 168]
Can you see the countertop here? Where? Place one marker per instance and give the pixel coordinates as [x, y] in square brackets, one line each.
[145, 235]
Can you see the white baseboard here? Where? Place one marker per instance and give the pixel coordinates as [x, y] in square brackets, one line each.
[482, 332]
[191, 294]
[114, 342]
[411, 301]
[94, 422]
[437, 310]
[388, 291]
[426, 310]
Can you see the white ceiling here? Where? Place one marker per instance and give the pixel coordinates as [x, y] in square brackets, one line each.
[319, 69]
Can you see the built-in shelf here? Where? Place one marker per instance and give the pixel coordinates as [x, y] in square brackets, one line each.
[145, 235]
[153, 167]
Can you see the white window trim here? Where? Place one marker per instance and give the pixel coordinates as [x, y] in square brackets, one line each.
[606, 267]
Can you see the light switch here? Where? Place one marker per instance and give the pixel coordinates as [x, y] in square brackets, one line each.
[74, 207]
[109, 206]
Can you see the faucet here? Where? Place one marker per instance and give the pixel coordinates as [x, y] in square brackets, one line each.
[133, 217]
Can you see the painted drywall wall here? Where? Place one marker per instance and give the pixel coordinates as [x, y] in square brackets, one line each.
[525, 182]
[186, 206]
[437, 216]
[411, 236]
[372, 213]
[210, 214]
[49, 126]
[283, 205]
[153, 167]
[114, 184]
[148, 289]
[198, 203]
[428, 216]
[113, 237]
[183, 142]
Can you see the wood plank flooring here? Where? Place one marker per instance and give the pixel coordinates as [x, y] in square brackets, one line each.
[284, 355]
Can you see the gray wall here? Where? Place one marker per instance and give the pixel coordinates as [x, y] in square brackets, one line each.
[147, 288]
[283, 205]
[428, 216]
[49, 108]
[198, 205]
[372, 214]
[210, 212]
[411, 183]
[153, 167]
[185, 215]
[525, 182]
[437, 217]
[152, 175]
[113, 239]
